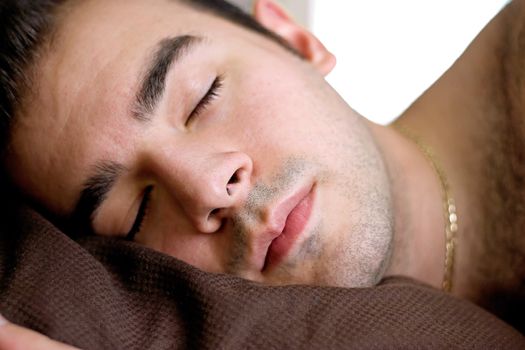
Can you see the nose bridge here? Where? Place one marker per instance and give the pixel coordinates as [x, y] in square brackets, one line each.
[208, 184]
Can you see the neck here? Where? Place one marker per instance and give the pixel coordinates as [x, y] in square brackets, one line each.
[419, 247]
[453, 118]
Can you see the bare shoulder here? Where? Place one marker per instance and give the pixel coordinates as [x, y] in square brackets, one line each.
[501, 260]
[513, 60]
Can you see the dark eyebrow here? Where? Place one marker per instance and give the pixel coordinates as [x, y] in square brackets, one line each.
[94, 192]
[153, 84]
[95, 189]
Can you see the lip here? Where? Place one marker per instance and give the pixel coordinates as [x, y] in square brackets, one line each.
[294, 213]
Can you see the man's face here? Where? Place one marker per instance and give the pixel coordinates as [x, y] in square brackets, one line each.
[241, 160]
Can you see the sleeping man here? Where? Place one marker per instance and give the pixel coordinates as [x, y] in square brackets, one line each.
[192, 129]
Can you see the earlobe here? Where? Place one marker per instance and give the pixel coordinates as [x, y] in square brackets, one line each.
[274, 18]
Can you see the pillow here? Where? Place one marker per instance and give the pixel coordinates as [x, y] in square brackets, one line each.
[100, 293]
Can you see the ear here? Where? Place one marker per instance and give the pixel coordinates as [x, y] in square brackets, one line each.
[274, 18]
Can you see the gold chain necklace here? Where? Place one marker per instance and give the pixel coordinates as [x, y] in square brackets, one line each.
[449, 206]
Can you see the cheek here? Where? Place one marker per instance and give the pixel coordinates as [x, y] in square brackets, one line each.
[287, 105]
[277, 116]
[169, 232]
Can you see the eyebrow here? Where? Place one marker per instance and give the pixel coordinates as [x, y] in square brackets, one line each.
[151, 89]
[168, 52]
[93, 194]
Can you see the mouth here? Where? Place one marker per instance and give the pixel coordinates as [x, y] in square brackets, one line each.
[296, 210]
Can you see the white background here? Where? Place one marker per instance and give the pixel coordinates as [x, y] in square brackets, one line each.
[388, 51]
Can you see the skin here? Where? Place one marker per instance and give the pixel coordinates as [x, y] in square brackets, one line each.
[378, 205]
[273, 147]
[13, 337]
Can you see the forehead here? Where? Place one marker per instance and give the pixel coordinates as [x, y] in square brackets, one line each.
[88, 78]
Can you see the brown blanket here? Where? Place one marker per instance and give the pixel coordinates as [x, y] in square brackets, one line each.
[107, 294]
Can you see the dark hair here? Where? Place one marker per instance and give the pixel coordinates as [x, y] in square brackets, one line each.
[25, 26]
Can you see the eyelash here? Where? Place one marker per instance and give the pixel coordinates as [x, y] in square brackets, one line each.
[141, 214]
[212, 94]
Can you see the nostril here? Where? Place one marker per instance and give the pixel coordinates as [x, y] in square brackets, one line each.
[213, 213]
[234, 179]
[215, 220]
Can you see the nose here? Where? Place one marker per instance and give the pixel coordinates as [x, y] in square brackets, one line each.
[211, 187]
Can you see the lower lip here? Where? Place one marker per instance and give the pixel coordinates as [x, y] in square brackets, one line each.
[295, 224]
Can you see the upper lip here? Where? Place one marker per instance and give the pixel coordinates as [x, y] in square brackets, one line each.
[276, 222]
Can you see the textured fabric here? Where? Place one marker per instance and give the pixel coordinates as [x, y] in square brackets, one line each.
[106, 294]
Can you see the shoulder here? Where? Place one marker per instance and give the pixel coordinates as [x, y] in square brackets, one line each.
[513, 55]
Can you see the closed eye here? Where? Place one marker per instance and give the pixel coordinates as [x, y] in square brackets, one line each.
[213, 93]
[141, 215]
